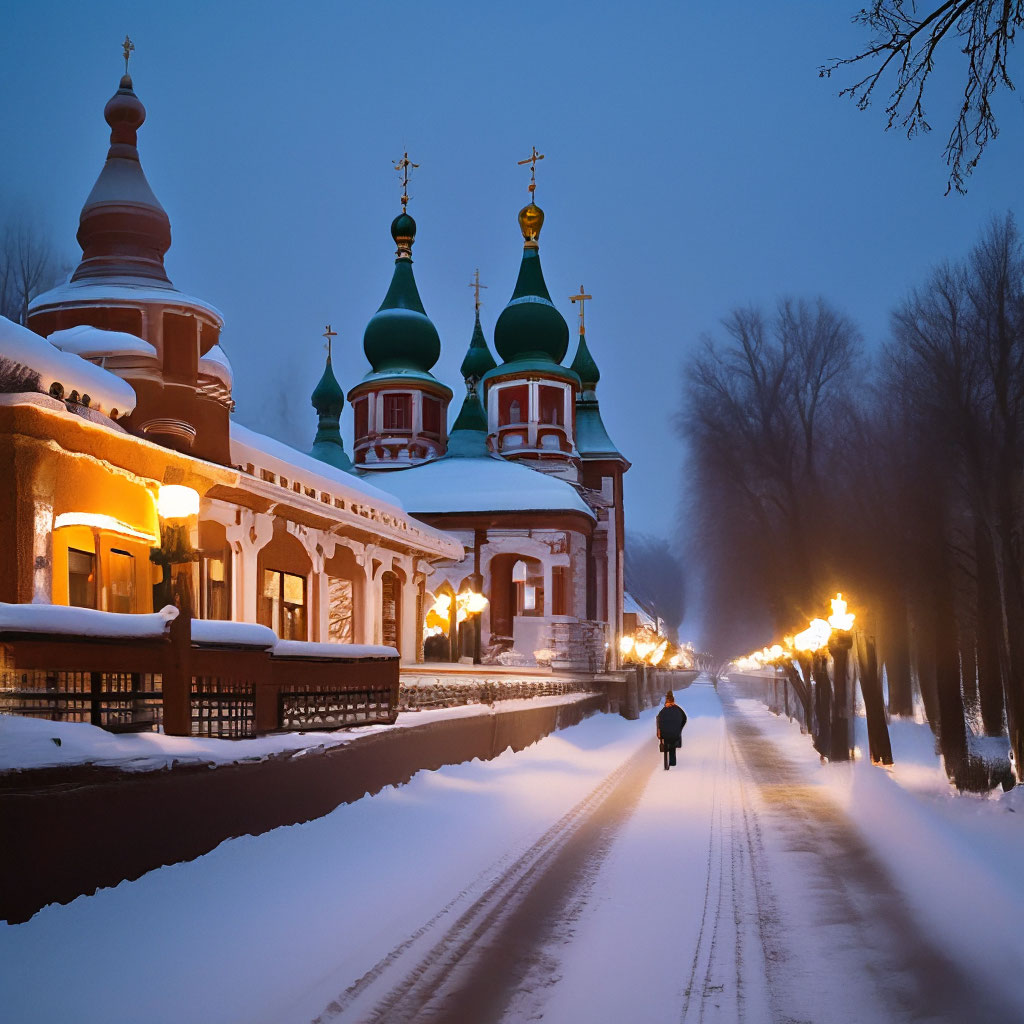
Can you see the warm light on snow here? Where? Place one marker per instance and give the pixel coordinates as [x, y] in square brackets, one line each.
[98, 521]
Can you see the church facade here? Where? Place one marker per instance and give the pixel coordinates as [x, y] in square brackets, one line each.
[118, 394]
[528, 479]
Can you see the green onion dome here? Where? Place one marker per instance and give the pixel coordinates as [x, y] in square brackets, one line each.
[400, 335]
[328, 399]
[585, 366]
[478, 359]
[530, 327]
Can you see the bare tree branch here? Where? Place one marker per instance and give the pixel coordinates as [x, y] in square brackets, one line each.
[906, 45]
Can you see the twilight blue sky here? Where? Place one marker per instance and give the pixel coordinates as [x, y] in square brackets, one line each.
[694, 162]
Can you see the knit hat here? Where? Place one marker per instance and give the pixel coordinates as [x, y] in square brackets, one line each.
[670, 697]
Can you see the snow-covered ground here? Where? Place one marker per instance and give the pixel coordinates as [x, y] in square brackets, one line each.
[27, 743]
[698, 898]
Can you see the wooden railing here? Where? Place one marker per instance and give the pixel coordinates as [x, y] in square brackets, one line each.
[225, 684]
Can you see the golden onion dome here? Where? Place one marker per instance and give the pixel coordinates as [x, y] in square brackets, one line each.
[531, 220]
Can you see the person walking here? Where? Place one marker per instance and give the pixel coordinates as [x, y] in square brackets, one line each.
[671, 719]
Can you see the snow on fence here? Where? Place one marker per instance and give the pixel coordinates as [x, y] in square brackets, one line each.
[195, 678]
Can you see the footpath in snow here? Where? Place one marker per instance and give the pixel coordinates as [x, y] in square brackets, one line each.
[575, 880]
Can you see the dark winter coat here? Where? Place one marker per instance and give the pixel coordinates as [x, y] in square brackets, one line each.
[671, 719]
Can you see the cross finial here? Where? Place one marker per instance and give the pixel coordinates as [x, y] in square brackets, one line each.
[476, 286]
[128, 46]
[404, 166]
[329, 335]
[532, 161]
[582, 299]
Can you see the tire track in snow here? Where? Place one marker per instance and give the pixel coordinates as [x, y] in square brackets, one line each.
[525, 903]
[848, 886]
[730, 946]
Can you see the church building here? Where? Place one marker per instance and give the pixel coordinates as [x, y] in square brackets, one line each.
[117, 397]
[528, 479]
[500, 540]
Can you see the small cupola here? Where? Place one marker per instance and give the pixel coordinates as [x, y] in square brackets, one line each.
[123, 230]
[399, 408]
[328, 400]
[530, 396]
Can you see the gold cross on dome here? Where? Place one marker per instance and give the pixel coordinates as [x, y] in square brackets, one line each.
[128, 46]
[532, 161]
[476, 286]
[404, 166]
[582, 299]
[329, 334]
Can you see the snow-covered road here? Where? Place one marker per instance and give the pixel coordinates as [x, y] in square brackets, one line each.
[572, 881]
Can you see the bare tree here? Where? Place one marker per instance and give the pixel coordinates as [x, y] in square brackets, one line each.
[759, 421]
[906, 42]
[29, 264]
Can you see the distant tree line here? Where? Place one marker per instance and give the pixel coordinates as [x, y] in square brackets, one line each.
[654, 578]
[898, 480]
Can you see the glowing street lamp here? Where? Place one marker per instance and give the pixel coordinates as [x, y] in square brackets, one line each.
[175, 501]
[176, 505]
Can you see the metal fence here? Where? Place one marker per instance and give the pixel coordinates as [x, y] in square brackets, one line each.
[191, 688]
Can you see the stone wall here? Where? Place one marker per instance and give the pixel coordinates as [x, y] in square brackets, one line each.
[578, 646]
[421, 692]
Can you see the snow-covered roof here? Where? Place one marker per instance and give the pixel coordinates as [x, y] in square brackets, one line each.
[120, 289]
[106, 390]
[216, 364]
[630, 605]
[274, 455]
[483, 484]
[67, 621]
[94, 343]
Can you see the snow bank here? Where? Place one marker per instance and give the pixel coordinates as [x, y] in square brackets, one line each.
[315, 888]
[954, 856]
[57, 618]
[232, 634]
[30, 743]
[107, 392]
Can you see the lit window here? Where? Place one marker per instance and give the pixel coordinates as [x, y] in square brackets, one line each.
[121, 585]
[216, 586]
[81, 578]
[283, 604]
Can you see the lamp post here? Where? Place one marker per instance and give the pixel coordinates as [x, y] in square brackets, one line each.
[176, 506]
[839, 645]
